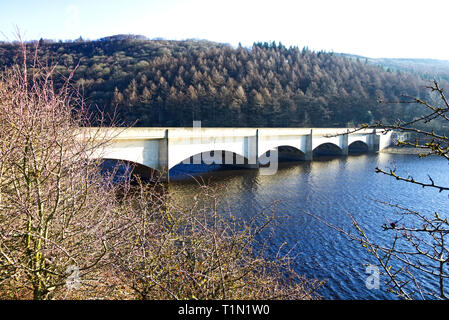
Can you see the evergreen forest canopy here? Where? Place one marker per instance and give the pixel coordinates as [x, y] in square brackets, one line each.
[171, 83]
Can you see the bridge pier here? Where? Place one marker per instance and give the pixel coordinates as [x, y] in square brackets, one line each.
[344, 144]
[163, 158]
[308, 155]
[373, 142]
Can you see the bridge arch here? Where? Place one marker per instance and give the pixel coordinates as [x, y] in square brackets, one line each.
[358, 146]
[143, 152]
[123, 169]
[357, 137]
[270, 143]
[181, 149]
[327, 149]
[285, 153]
[213, 157]
[125, 160]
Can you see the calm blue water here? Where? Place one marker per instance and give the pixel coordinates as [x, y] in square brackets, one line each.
[328, 188]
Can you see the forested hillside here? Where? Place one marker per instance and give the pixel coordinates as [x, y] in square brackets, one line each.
[171, 83]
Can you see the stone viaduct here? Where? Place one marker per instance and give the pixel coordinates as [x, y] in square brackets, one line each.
[163, 148]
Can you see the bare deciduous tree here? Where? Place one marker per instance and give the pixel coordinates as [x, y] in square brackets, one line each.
[56, 211]
[197, 252]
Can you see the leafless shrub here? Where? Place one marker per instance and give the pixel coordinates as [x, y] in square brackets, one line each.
[171, 253]
[56, 211]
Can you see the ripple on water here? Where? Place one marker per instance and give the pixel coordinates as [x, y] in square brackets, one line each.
[330, 189]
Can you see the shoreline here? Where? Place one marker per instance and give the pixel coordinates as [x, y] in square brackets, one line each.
[399, 150]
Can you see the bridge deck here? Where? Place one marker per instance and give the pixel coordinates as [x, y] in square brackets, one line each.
[183, 132]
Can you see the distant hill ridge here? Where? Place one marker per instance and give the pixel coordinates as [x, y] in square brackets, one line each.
[427, 68]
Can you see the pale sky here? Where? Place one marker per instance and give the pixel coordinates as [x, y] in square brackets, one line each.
[381, 28]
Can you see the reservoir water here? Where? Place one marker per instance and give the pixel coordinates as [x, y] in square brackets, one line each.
[328, 188]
